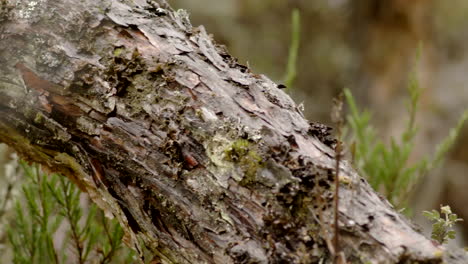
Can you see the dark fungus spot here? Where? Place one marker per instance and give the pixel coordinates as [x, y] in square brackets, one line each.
[292, 141]
[365, 227]
[160, 12]
[286, 188]
[371, 218]
[331, 175]
[324, 184]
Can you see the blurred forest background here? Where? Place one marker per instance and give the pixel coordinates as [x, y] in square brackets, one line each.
[368, 46]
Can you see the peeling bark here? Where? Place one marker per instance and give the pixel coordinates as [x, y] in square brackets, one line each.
[201, 160]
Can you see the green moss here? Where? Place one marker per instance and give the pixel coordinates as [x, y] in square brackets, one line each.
[39, 118]
[237, 150]
[243, 153]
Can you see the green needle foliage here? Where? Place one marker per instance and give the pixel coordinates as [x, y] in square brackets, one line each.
[51, 211]
[291, 70]
[442, 227]
[387, 166]
[32, 233]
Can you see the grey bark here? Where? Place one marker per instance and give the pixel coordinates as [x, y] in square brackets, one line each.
[201, 160]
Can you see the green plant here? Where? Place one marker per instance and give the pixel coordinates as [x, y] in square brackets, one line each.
[442, 228]
[10, 179]
[51, 209]
[291, 70]
[386, 166]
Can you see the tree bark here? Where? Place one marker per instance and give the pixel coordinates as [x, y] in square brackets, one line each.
[201, 160]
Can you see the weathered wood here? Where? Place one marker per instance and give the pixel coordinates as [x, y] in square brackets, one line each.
[201, 160]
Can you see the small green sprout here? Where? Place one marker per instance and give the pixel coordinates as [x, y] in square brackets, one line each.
[442, 228]
[291, 68]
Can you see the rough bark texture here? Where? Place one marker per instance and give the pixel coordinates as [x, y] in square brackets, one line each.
[201, 160]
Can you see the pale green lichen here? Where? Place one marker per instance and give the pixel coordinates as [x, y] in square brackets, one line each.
[59, 131]
[220, 167]
[88, 125]
[28, 10]
[39, 119]
[237, 159]
[225, 216]
[118, 51]
[345, 179]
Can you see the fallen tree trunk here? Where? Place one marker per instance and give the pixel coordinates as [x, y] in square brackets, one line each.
[200, 160]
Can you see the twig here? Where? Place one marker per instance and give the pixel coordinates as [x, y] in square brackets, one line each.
[107, 257]
[337, 118]
[73, 227]
[6, 198]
